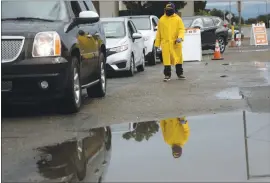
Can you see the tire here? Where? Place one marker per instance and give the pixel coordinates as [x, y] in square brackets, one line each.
[131, 71]
[153, 57]
[99, 90]
[141, 68]
[80, 163]
[73, 97]
[222, 44]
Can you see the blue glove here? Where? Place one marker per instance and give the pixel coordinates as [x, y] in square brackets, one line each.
[178, 40]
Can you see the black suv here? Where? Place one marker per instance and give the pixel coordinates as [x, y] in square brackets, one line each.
[52, 50]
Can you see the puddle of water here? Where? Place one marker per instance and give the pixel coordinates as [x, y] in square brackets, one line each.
[202, 148]
[230, 93]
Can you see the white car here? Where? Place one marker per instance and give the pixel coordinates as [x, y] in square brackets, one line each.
[147, 25]
[125, 45]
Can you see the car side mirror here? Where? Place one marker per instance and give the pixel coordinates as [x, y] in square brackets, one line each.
[86, 17]
[137, 36]
[155, 29]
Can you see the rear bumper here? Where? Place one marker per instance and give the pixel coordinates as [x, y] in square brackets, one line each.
[21, 79]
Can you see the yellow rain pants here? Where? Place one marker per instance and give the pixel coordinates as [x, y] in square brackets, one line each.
[175, 133]
[169, 29]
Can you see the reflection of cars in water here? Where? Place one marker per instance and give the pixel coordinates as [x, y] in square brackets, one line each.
[77, 160]
[147, 25]
[125, 47]
[52, 49]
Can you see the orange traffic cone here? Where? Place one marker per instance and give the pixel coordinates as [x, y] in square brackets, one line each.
[217, 55]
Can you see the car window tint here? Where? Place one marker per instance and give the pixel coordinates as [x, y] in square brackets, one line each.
[53, 10]
[156, 19]
[218, 21]
[114, 29]
[133, 27]
[76, 8]
[82, 5]
[154, 22]
[197, 22]
[90, 6]
[130, 31]
[208, 22]
[142, 23]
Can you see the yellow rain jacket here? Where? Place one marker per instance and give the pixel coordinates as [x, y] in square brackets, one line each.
[169, 29]
[175, 133]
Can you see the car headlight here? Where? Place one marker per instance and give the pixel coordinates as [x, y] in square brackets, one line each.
[119, 48]
[145, 38]
[46, 44]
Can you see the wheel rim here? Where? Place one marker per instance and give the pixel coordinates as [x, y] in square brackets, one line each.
[103, 77]
[221, 44]
[76, 86]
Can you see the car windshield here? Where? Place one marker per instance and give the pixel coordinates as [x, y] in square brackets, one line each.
[187, 22]
[141, 23]
[114, 29]
[50, 10]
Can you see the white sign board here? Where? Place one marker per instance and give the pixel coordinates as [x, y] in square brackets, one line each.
[229, 16]
[258, 35]
[192, 48]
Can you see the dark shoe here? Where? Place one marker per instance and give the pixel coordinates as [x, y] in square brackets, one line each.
[167, 78]
[182, 77]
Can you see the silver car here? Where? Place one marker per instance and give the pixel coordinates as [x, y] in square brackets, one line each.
[125, 45]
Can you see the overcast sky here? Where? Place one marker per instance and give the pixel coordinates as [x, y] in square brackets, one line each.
[250, 9]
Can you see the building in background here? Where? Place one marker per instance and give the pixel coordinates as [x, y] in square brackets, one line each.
[112, 8]
[107, 8]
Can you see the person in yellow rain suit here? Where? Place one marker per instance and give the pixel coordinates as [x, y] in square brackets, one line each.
[175, 132]
[170, 35]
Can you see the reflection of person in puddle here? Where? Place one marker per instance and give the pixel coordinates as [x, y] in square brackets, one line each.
[175, 133]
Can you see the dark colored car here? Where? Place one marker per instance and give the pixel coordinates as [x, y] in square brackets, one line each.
[52, 50]
[211, 31]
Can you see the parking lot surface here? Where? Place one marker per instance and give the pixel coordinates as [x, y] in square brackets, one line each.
[239, 82]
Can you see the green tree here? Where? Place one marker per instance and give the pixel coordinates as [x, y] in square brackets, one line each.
[217, 12]
[203, 13]
[199, 6]
[264, 18]
[144, 130]
[150, 7]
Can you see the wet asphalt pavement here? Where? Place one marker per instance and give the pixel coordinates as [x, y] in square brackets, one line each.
[39, 144]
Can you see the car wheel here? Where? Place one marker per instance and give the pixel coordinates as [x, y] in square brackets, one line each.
[80, 161]
[222, 44]
[72, 100]
[131, 71]
[141, 68]
[99, 90]
[153, 58]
